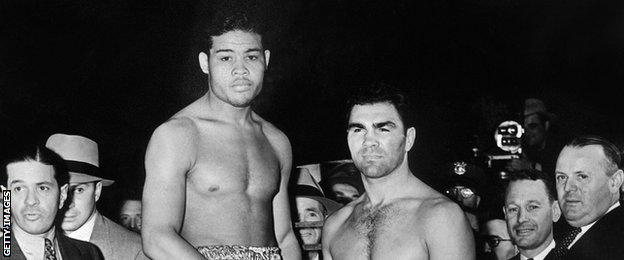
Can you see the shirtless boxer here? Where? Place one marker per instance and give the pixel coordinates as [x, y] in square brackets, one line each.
[217, 173]
[399, 216]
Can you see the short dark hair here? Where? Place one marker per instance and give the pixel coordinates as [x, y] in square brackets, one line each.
[382, 93]
[534, 175]
[36, 153]
[612, 152]
[229, 19]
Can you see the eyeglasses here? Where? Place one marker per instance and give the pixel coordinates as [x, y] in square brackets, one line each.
[493, 241]
[465, 192]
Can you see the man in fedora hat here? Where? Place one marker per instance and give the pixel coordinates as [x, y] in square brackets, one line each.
[82, 221]
[540, 142]
[312, 207]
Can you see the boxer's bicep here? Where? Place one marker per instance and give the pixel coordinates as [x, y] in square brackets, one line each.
[169, 156]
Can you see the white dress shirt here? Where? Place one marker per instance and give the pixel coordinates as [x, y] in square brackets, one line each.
[542, 254]
[33, 245]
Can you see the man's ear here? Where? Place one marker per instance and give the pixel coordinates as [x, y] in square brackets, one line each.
[556, 211]
[98, 190]
[203, 62]
[410, 138]
[3, 188]
[478, 200]
[63, 194]
[267, 56]
[615, 181]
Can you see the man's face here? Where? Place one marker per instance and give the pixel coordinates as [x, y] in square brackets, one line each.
[35, 195]
[130, 215]
[345, 193]
[309, 210]
[377, 139]
[235, 66]
[83, 204]
[530, 214]
[497, 229]
[535, 130]
[584, 189]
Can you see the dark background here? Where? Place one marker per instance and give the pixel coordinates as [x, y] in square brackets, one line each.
[114, 70]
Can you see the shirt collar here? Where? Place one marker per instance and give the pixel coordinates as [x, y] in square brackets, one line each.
[542, 254]
[32, 245]
[84, 232]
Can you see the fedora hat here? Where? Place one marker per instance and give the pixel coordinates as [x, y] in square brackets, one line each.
[307, 187]
[81, 157]
[536, 106]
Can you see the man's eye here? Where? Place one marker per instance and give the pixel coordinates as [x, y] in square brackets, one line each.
[383, 129]
[532, 207]
[356, 130]
[44, 188]
[583, 176]
[560, 177]
[512, 210]
[252, 57]
[226, 58]
[18, 188]
[79, 190]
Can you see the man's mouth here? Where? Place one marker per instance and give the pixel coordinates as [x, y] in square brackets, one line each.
[525, 231]
[32, 216]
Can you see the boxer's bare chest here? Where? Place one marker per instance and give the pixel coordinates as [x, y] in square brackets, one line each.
[231, 160]
[388, 232]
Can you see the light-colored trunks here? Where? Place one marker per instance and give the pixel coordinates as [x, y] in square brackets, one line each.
[235, 252]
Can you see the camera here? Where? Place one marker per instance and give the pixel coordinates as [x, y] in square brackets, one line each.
[508, 136]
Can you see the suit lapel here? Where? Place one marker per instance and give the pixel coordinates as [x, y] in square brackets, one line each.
[68, 250]
[595, 238]
[100, 236]
[16, 251]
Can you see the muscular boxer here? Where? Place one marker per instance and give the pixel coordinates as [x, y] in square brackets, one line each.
[217, 173]
[399, 216]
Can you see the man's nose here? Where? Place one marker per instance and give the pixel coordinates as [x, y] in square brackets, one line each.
[240, 68]
[569, 185]
[522, 216]
[32, 198]
[370, 138]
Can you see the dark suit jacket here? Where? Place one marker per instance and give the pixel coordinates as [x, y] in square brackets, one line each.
[115, 241]
[604, 240]
[69, 248]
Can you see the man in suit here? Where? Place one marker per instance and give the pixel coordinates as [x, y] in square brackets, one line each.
[588, 187]
[82, 220]
[530, 210]
[35, 181]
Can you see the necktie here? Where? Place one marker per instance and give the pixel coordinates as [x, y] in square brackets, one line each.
[562, 246]
[49, 253]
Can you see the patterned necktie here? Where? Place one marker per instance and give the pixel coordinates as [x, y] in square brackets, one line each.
[562, 246]
[49, 253]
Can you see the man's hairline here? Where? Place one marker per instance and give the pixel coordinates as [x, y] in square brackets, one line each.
[59, 185]
[402, 120]
[550, 199]
[607, 164]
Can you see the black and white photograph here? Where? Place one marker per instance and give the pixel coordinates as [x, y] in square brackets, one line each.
[314, 130]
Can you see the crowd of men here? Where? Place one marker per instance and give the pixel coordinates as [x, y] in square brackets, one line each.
[217, 177]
